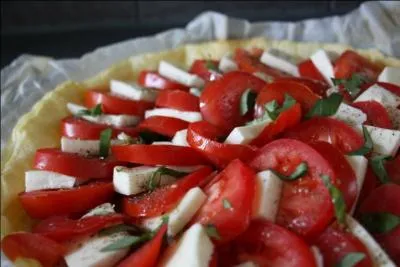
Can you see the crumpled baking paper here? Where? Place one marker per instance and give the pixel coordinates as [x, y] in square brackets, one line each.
[29, 77]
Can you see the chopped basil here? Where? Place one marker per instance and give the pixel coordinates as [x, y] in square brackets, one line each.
[212, 231]
[119, 228]
[350, 259]
[337, 199]
[368, 145]
[380, 222]
[155, 178]
[226, 204]
[273, 109]
[105, 141]
[326, 107]
[96, 111]
[378, 167]
[247, 101]
[211, 65]
[127, 242]
[300, 171]
[351, 85]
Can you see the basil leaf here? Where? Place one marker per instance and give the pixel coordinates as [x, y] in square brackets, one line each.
[227, 205]
[350, 259]
[212, 231]
[326, 107]
[127, 242]
[96, 111]
[368, 145]
[247, 101]
[337, 199]
[155, 178]
[119, 228]
[351, 85]
[105, 141]
[211, 65]
[378, 167]
[300, 171]
[380, 222]
[273, 109]
[287, 103]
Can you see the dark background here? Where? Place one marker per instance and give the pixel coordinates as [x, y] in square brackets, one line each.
[71, 28]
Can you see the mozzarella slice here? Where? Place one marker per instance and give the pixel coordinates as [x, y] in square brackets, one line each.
[162, 143]
[180, 215]
[88, 252]
[194, 249]
[319, 260]
[247, 264]
[132, 91]
[281, 61]
[132, 181]
[176, 74]
[189, 116]
[227, 64]
[103, 209]
[43, 180]
[394, 114]
[187, 169]
[359, 165]
[83, 147]
[381, 95]
[377, 254]
[390, 75]
[245, 134]
[180, 138]
[386, 141]
[195, 91]
[350, 115]
[268, 195]
[323, 62]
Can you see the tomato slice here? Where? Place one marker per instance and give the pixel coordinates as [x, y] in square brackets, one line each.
[153, 79]
[166, 126]
[377, 114]
[77, 128]
[62, 228]
[393, 170]
[350, 63]
[53, 159]
[206, 69]
[268, 245]
[285, 120]
[307, 69]
[305, 206]
[32, 246]
[164, 198]
[318, 87]
[202, 136]
[45, 203]
[334, 244]
[116, 105]
[158, 155]
[385, 198]
[371, 182]
[220, 100]
[235, 184]
[330, 130]
[277, 90]
[147, 255]
[177, 99]
[390, 243]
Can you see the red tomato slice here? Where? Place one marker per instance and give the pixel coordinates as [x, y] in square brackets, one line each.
[350, 63]
[33, 246]
[318, 87]
[330, 130]
[201, 68]
[236, 184]
[164, 198]
[385, 198]
[53, 159]
[202, 136]
[220, 100]
[285, 120]
[334, 244]
[45, 203]
[147, 255]
[116, 105]
[61, 228]
[390, 243]
[158, 155]
[377, 114]
[305, 206]
[166, 126]
[277, 90]
[268, 245]
[393, 170]
[77, 128]
[307, 69]
[152, 79]
[370, 183]
[177, 99]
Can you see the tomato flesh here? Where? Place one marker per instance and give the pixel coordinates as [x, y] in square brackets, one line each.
[317, 86]
[166, 126]
[206, 69]
[307, 69]
[152, 79]
[177, 99]
[350, 63]
[377, 114]
[385, 198]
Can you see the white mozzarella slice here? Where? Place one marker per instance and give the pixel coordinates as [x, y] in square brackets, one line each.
[245, 134]
[125, 138]
[268, 195]
[390, 75]
[180, 138]
[194, 249]
[280, 60]
[187, 169]
[88, 252]
[181, 214]
[377, 254]
[394, 114]
[227, 64]
[176, 74]
[195, 91]
[84, 147]
[323, 62]
[159, 143]
[42, 180]
[103, 209]
[247, 264]
[263, 76]
[319, 260]
[381, 95]
[350, 115]
[386, 141]
[132, 181]
[132, 91]
[189, 116]
[359, 165]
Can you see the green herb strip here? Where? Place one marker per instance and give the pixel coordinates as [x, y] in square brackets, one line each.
[105, 141]
[155, 178]
[380, 222]
[300, 171]
[378, 167]
[95, 111]
[210, 65]
[212, 231]
[368, 144]
[127, 242]
[227, 204]
[326, 107]
[352, 85]
[351, 259]
[273, 109]
[337, 199]
[119, 228]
